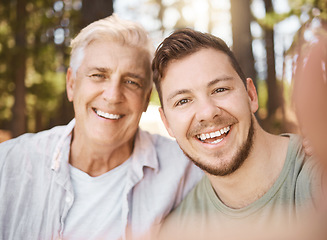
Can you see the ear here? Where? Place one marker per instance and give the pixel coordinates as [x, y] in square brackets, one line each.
[70, 84]
[165, 122]
[253, 96]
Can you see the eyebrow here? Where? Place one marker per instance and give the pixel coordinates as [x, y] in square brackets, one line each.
[179, 92]
[108, 70]
[134, 75]
[100, 69]
[223, 79]
[211, 83]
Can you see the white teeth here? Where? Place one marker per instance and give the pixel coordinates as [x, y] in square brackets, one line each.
[217, 141]
[218, 133]
[107, 115]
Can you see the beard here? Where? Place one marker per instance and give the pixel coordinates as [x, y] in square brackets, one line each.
[237, 161]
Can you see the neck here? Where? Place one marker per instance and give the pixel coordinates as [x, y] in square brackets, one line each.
[257, 174]
[95, 159]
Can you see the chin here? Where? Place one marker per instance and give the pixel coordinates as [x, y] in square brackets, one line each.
[233, 163]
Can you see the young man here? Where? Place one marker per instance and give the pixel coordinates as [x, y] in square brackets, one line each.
[99, 177]
[251, 176]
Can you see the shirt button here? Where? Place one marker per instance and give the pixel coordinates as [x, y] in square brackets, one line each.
[68, 199]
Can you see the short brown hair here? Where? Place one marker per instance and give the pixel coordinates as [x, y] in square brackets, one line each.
[182, 43]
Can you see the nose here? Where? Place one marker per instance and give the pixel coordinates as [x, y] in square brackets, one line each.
[113, 93]
[207, 110]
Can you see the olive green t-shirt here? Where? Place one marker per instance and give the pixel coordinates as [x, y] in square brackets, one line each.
[291, 195]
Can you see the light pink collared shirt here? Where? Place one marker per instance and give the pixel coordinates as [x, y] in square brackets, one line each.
[37, 194]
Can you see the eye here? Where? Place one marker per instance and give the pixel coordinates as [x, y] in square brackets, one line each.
[133, 84]
[218, 90]
[97, 76]
[182, 102]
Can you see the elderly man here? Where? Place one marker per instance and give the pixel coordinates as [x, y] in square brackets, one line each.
[251, 177]
[99, 177]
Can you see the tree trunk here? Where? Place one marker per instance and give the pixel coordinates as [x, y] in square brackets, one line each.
[19, 63]
[95, 10]
[274, 92]
[65, 113]
[242, 37]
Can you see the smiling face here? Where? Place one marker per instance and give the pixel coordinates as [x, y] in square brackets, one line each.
[109, 93]
[207, 108]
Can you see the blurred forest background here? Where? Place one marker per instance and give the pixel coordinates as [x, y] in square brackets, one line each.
[35, 37]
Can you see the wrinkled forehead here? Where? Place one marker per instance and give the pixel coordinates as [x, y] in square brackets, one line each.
[110, 54]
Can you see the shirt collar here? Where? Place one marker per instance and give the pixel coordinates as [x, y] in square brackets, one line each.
[62, 145]
[144, 153]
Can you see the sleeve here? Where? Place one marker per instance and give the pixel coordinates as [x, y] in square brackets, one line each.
[192, 176]
[310, 183]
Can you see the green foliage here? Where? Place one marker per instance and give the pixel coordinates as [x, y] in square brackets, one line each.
[46, 59]
[273, 18]
[155, 97]
[262, 93]
[308, 6]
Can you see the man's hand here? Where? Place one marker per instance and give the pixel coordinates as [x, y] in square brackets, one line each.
[308, 149]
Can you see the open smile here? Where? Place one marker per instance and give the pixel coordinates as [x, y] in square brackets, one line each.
[107, 115]
[214, 137]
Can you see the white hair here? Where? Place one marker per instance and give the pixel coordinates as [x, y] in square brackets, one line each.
[111, 28]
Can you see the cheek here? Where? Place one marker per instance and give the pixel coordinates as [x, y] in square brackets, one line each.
[237, 106]
[177, 122]
[83, 89]
[136, 101]
[78, 94]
